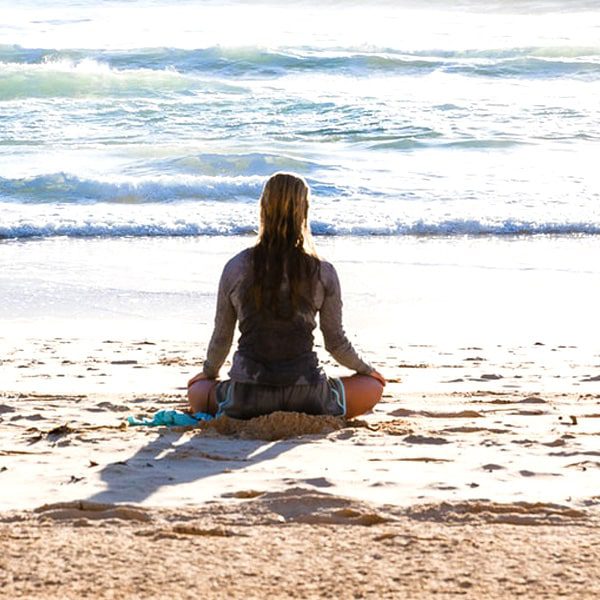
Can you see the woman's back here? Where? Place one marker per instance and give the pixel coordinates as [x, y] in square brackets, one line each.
[276, 343]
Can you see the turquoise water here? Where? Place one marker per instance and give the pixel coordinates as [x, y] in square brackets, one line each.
[160, 118]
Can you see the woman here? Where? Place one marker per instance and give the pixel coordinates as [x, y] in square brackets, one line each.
[275, 290]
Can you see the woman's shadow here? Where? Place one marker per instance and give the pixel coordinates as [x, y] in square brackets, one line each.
[173, 458]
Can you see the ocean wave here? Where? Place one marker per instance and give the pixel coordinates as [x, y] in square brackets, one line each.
[242, 164]
[91, 78]
[252, 170]
[217, 57]
[528, 67]
[41, 72]
[115, 226]
[467, 227]
[433, 141]
[65, 187]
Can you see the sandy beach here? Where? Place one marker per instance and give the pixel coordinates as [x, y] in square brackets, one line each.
[477, 474]
[451, 153]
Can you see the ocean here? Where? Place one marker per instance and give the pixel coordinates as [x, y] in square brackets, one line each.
[473, 121]
[164, 118]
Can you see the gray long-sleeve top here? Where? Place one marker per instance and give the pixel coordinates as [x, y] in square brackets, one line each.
[272, 350]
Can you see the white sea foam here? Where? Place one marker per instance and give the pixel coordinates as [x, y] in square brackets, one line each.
[205, 218]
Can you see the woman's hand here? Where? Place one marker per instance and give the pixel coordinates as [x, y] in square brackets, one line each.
[377, 375]
[195, 378]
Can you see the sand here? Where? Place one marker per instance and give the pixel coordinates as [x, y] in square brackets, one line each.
[477, 475]
[297, 544]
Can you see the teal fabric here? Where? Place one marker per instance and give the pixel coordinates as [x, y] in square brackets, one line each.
[170, 418]
[340, 392]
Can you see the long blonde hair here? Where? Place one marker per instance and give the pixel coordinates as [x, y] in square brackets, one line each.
[285, 246]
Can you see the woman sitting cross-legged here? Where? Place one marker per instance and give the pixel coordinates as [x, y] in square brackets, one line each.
[275, 290]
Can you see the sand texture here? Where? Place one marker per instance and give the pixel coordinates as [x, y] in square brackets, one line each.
[299, 544]
[477, 475]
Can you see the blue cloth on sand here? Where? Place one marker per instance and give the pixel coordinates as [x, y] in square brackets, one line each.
[171, 418]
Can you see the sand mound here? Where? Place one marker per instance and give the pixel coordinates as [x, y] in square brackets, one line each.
[513, 513]
[300, 505]
[275, 426]
[82, 509]
[244, 508]
[393, 427]
[462, 414]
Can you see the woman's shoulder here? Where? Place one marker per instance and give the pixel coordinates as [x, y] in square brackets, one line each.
[238, 264]
[242, 256]
[327, 271]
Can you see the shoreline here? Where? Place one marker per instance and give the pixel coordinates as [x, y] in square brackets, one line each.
[458, 291]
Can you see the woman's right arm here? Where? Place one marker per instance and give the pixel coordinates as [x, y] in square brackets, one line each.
[224, 328]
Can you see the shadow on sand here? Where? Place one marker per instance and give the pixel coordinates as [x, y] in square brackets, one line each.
[172, 458]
